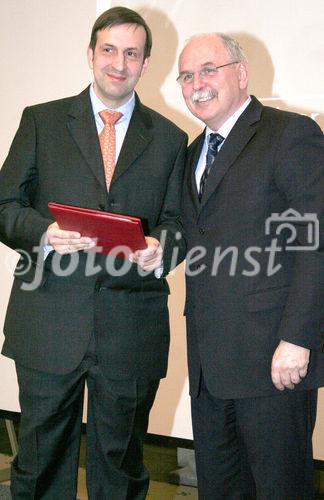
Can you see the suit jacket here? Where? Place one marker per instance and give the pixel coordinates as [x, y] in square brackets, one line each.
[55, 156]
[243, 297]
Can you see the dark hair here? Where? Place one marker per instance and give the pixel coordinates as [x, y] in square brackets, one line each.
[117, 16]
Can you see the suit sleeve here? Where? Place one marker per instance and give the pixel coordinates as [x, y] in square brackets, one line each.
[300, 176]
[169, 231]
[21, 226]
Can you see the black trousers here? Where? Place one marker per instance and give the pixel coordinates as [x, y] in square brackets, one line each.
[50, 429]
[254, 448]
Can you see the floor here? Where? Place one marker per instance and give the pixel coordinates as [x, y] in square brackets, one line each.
[161, 461]
[157, 490]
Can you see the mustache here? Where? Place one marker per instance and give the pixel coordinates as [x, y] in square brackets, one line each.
[203, 95]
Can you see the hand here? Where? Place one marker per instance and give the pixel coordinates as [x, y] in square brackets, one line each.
[289, 365]
[151, 257]
[65, 242]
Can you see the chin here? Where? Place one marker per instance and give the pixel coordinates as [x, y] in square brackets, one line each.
[203, 113]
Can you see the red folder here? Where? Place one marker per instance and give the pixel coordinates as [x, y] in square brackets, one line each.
[109, 229]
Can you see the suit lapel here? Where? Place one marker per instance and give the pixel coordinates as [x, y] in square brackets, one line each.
[238, 138]
[195, 150]
[82, 127]
[139, 135]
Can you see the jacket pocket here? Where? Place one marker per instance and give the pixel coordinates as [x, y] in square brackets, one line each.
[269, 298]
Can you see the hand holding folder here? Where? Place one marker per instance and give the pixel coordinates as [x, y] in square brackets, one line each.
[110, 230]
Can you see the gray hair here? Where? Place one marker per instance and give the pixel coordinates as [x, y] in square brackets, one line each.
[232, 46]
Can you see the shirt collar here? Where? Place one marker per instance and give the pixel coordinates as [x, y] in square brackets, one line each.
[227, 126]
[126, 109]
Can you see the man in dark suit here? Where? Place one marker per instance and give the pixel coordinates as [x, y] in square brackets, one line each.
[253, 189]
[106, 322]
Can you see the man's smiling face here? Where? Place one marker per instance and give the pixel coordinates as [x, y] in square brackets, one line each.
[118, 62]
[212, 97]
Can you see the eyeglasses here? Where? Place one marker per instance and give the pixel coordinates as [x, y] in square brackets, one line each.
[205, 73]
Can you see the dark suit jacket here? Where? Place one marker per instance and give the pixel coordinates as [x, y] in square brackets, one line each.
[270, 162]
[56, 156]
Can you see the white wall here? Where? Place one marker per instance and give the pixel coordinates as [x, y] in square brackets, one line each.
[42, 55]
[42, 52]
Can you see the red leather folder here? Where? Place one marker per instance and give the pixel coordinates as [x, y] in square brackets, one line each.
[109, 229]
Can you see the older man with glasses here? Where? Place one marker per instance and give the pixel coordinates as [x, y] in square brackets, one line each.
[254, 304]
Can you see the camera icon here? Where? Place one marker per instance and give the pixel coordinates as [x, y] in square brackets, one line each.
[290, 220]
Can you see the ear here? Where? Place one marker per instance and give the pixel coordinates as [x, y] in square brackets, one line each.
[243, 75]
[145, 65]
[90, 57]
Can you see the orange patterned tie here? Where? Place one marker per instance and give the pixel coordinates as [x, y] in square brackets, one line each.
[107, 139]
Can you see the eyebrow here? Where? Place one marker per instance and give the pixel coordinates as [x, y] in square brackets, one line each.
[202, 66]
[114, 46]
[133, 48]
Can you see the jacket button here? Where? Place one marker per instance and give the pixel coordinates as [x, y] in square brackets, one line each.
[201, 230]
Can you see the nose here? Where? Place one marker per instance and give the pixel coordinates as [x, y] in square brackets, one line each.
[119, 61]
[197, 82]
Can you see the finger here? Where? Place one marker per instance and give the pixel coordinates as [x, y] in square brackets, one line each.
[151, 264]
[279, 386]
[65, 249]
[295, 377]
[148, 259]
[151, 249]
[276, 380]
[148, 268]
[62, 234]
[145, 254]
[78, 248]
[303, 372]
[61, 249]
[286, 381]
[73, 242]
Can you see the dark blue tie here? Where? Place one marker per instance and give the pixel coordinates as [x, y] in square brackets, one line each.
[214, 141]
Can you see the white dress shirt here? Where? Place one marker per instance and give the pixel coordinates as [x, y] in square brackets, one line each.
[224, 131]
